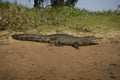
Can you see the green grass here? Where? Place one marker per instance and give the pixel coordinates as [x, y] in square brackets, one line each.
[61, 20]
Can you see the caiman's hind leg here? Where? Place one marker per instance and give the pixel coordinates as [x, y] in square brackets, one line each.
[57, 42]
[75, 45]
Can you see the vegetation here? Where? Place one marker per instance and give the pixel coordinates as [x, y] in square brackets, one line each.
[55, 3]
[57, 20]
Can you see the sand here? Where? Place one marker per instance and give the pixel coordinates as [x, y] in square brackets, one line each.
[25, 60]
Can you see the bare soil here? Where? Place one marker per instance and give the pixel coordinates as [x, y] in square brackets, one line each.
[24, 60]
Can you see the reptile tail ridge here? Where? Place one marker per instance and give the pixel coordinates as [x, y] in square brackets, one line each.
[24, 37]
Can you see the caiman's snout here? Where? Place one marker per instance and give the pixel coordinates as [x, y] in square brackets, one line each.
[95, 40]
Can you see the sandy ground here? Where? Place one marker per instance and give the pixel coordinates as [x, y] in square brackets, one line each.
[23, 60]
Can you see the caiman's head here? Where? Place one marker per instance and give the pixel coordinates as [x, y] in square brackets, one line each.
[92, 37]
[88, 40]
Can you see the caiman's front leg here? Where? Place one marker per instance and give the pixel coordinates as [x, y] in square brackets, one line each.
[75, 45]
[57, 42]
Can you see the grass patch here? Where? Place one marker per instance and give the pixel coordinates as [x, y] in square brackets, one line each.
[21, 19]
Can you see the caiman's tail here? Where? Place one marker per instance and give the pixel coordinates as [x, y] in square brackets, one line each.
[26, 37]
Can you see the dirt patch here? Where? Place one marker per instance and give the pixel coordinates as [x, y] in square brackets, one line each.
[23, 60]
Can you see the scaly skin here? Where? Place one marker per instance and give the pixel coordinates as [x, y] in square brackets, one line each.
[58, 39]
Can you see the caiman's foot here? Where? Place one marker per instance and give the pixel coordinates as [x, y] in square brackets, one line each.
[75, 45]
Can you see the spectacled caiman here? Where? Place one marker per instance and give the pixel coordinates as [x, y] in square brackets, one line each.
[58, 39]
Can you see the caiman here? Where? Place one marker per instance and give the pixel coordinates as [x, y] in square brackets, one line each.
[58, 39]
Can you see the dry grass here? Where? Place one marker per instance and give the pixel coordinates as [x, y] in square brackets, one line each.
[16, 18]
